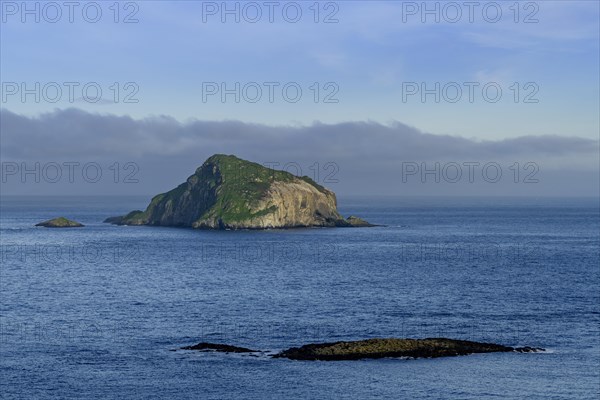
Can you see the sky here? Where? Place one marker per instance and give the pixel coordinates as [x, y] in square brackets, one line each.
[365, 90]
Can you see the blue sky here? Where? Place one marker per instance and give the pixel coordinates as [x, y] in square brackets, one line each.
[375, 48]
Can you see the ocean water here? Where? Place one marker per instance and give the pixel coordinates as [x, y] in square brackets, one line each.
[96, 312]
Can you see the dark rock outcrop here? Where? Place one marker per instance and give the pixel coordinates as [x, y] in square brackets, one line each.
[230, 193]
[375, 348]
[225, 348]
[60, 222]
[358, 222]
[381, 348]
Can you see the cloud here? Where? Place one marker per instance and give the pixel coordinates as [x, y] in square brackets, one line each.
[73, 132]
[365, 152]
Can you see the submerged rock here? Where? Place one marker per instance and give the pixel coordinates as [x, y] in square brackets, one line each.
[230, 193]
[225, 348]
[380, 348]
[60, 222]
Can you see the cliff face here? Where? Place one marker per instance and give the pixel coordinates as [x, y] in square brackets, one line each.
[229, 193]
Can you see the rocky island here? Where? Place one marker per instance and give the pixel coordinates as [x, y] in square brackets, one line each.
[217, 347]
[376, 348]
[392, 347]
[227, 192]
[60, 222]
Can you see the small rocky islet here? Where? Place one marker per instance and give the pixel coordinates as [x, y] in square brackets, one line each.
[217, 347]
[227, 192]
[60, 222]
[376, 348]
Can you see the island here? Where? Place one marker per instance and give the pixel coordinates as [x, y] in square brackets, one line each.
[375, 348]
[60, 222]
[393, 347]
[227, 192]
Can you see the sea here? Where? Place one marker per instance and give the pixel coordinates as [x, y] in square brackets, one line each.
[101, 312]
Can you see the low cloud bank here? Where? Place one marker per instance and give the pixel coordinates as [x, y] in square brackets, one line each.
[351, 157]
